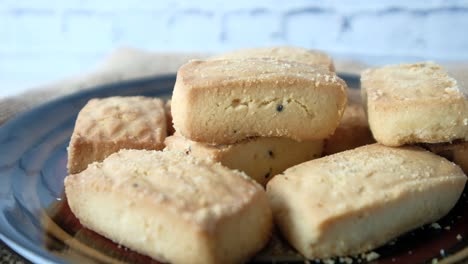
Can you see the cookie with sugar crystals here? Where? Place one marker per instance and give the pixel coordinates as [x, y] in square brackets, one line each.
[172, 207]
[106, 125]
[415, 103]
[354, 201]
[226, 101]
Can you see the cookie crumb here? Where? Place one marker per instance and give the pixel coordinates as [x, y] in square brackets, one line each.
[452, 90]
[459, 237]
[372, 256]
[346, 260]
[434, 260]
[436, 225]
[447, 228]
[442, 252]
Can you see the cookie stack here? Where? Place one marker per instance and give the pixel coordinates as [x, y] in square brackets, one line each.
[360, 199]
[269, 113]
[259, 111]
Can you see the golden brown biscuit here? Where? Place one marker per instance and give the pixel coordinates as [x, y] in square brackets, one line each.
[456, 152]
[107, 125]
[352, 132]
[260, 158]
[354, 201]
[172, 207]
[313, 57]
[226, 101]
[414, 103]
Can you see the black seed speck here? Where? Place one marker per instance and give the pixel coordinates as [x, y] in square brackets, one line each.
[135, 185]
[188, 150]
[271, 154]
[267, 175]
[235, 131]
[279, 108]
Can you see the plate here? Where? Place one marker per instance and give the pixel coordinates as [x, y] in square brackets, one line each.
[36, 221]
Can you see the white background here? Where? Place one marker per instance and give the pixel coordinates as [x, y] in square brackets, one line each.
[41, 41]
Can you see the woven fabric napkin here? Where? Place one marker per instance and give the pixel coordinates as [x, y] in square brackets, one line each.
[125, 64]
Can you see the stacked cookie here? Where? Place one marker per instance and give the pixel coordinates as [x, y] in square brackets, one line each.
[257, 110]
[418, 104]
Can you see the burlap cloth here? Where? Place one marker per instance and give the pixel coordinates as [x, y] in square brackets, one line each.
[124, 64]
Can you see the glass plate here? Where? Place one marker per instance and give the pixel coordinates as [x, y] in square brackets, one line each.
[36, 222]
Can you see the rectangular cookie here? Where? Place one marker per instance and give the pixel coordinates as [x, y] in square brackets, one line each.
[415, 103]
[260, 158]
[456, 152]
[226, 101]
[172, 207]
[352, 132]
[107, 125]
[316, 58]
[354, 201]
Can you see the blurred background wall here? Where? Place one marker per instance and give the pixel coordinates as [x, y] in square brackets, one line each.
[43, 40]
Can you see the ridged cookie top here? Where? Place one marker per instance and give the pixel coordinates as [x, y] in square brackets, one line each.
[418, 81]
[194, 189]
[115, 118]
[307, 56]
[251, 72]
[364, 177]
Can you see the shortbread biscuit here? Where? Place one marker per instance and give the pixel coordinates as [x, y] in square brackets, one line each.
[415, 103]
[354, 201]
[226, 101]
[313, 57]
[172, 207]
[107, 125]
[260, 158]
[456, 152]
[352, 132]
